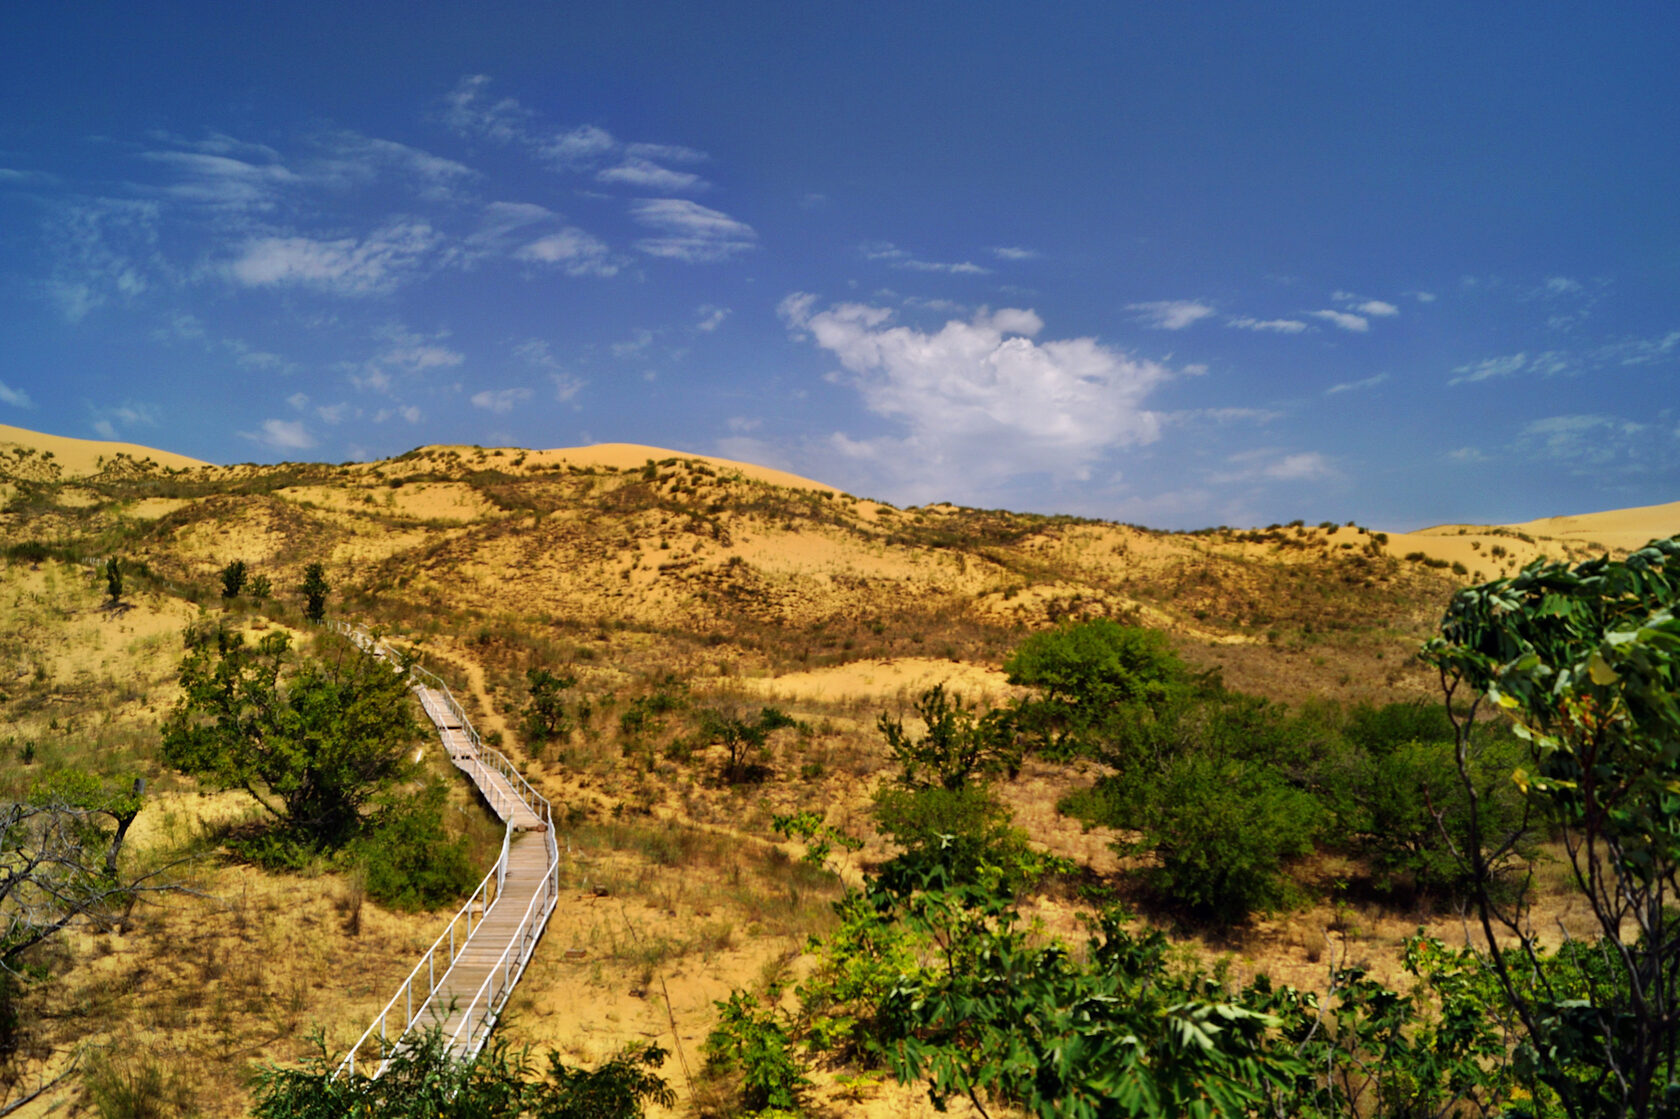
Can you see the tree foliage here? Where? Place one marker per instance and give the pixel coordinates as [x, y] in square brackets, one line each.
[1098, 683]
[314, 590]
[425, 1081]
[957, 747]
[546, 717]
[312, 740]
[1586, 661]
[742, 738]
[61, 863]
[114, 579]
[233, 579]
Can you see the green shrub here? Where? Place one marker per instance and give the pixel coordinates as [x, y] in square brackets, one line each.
[752, 1044]
[410, 861]
[1222, 831]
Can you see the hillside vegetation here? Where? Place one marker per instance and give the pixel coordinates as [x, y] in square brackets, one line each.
[686, 656]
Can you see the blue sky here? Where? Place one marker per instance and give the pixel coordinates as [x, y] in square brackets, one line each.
[1177, 264]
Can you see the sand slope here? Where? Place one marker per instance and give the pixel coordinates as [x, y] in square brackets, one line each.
[80, 457]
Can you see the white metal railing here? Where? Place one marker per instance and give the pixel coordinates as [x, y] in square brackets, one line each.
[480, 1014]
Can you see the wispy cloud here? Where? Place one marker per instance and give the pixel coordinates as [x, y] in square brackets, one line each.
[644, 174]
[1489, 368]
[1344, 320]
[1269, 464]
[577, 252]
[1170, 314]
[281, 435]
[1014, 252]
[536, 353]
[710, 317]
[691, 232]
[103, 249]
[1377, 308]
[1355, 386]
[896, 257]
[1275, 326]
[374, 265]
[501, 401]
[17, 398]
[470, 110]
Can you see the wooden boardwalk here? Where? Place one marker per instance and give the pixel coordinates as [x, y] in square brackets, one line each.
[464, 979]
[481, 968]
[504, 799]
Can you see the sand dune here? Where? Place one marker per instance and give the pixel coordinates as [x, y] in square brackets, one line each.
[629, 456]
[79, 457]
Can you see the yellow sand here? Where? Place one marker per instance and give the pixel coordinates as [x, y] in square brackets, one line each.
[629, 456]
[78, 457]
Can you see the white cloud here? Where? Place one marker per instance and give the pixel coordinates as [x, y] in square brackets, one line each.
[1591, 443]
[1170, 314]
[579, 253]
[103, 249]
[566, 386]
[902, 258]
[468, 111]
[1424, 296]
[1376, 308]
[1562, 285]
[412, 352]
[1489, 368]
[693, 233]
[1344, 320]
[104, 429]
[979, 401]
[222, 182]
[500, 401]
[334, 413]
[281, 435]
[1306, 466]
[17, 398]
[1641, 351]
[375, 265]
[1013, 252]
[1275, 326]
[298, 400]
[644, 174]
[1268, 464]
[1354, 386]
[666, 153]
[710, 317]
[573, 149]
[1466, 455]
[352, 157]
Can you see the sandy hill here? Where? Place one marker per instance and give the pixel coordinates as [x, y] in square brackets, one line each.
[665, 584]
[33, 452]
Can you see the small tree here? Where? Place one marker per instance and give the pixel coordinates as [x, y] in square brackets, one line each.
[60, 864]
[312, 742]
[545, 713]
[260, 588]
[114, 579]
[233, 579]
[1586, 660]
[314, 591]
[958, 745]
[744, 739]
[1100, 686]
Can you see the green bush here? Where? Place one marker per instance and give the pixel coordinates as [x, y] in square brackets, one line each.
[969, 827]
[410, 861]
[752, 1044]
[1222, 831]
